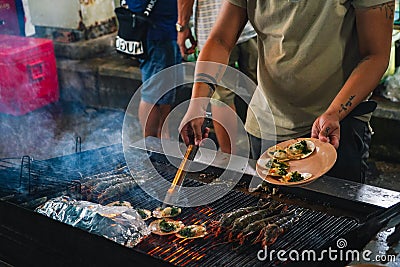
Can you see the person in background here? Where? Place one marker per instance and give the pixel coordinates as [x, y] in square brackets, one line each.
[163, 52]
[244, 54]
[319, 61]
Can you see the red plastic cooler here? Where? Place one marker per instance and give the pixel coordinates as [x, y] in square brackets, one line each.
[28, 74]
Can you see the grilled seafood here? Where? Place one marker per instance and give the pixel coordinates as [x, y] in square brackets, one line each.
[166, 212]
[100, 187]
[92, 181]
[165, 226]
[295, 177]
[95, 186]
[275, 167]
[227, 219]
[270, 233]
[120, 203]
[116, 190]
[300, 149]
[240, 223]
[144, 214]
[253, 229]
[277, 152]
[192, 231]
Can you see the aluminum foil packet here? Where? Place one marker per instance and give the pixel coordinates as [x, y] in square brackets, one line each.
[121, 224]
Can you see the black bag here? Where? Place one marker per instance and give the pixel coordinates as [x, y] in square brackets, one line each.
[132, 31]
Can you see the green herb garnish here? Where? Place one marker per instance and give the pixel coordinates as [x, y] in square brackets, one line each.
[187, 232]
[282, 171]
[142, 213]
[303, 146]
[296, 177]
[174, 211]
[167, 226]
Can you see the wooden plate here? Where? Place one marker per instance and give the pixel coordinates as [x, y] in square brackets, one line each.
[318, 163]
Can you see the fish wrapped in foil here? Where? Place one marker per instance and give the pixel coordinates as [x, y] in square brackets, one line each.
[120, 224]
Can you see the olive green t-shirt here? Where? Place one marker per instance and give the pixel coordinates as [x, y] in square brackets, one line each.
[307, 49]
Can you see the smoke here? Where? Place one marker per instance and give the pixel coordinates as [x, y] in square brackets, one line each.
[52, 131]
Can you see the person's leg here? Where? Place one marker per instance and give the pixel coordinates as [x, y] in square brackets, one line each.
[226, 134]
[163, 129]
[148, 111]
[149, 118]
[248, 57]
[224, 114]
[155, 106]
[171, 56]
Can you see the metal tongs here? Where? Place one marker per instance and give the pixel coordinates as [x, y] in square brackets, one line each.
[191, 151]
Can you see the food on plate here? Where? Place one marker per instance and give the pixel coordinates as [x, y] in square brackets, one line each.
[145, 214]
[276, 163]
[300, 149]
[165, 226]
[192, 231]
[277, 152]
[119, 203]
[166, 212]
[276, 167]
[295, 176]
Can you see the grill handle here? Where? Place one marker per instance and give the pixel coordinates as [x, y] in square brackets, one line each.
[383, 217]
[172, 194]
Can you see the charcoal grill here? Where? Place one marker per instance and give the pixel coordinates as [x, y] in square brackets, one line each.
[326, 213]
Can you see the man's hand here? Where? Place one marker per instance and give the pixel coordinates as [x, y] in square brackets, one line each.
[191, 125]
[327, 129]
[182, 37]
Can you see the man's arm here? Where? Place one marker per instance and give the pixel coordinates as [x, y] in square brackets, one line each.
[374, 27]
[185, 9]
[220, 42]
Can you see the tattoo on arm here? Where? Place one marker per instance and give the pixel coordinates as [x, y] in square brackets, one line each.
[210, 80]
[345, 106]
[327, 131]
[207, 79]
[388, 8]
[362, 61]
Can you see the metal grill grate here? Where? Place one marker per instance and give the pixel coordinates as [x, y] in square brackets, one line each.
[312, 231]
[26, 184]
